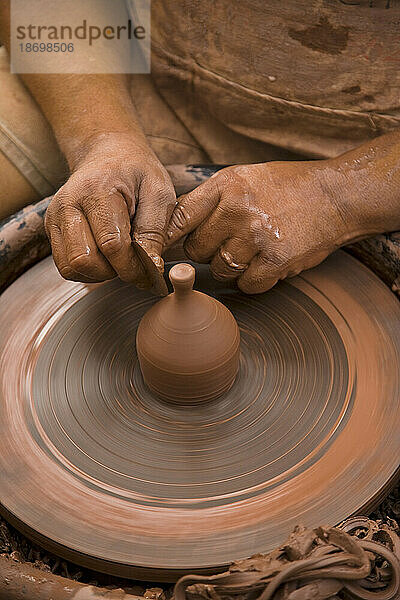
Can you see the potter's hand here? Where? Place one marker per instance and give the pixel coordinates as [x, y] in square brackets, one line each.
[118, 182]
[263, 222]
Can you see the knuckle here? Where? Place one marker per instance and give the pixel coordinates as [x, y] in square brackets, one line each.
[81, 263]
[87, 181]
[226, 208]
[221, 175]
[277, 258]
[60, 207]
[166, 198]
[247, 287]
[162, 175]
[231, 175]
[256, 227]
[63, 212]
[50, 209]
[110, 243]
[77, 189]
[67, 272]
[197, 249]
[166, 186]
[219, 272]
[58, 196]
[90, 206]
[180, 217]
[160, 185]
[62, 197]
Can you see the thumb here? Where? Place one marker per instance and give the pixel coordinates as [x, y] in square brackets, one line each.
[191, 210]
[155, 205]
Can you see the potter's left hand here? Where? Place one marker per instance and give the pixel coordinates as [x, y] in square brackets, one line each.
[263, 222]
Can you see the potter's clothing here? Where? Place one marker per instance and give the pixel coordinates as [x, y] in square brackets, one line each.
[236, 81]
[317, 77]
[25, 135]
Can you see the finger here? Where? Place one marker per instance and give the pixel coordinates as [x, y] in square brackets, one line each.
[232, 259]
[261, 276]
[203, 243]
[156, 203]
[81, 249]
[60, 256]
[110, 224]
[192, 209]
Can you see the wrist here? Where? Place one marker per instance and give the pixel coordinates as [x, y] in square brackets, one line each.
[359, 199]
[367, 185]
[82, 108]
[342, 216]
[104, 144]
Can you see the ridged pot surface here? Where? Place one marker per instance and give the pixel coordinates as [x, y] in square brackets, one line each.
[188, 343]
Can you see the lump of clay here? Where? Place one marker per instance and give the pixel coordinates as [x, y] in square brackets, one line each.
[188, 343]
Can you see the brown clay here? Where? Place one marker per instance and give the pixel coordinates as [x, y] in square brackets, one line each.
[22, 581]
[188, 343]
[153, 266]
[139, 487]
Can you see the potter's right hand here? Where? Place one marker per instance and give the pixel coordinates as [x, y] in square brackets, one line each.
[117, 183]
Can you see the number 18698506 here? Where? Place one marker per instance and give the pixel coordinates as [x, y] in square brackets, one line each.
[46, 47]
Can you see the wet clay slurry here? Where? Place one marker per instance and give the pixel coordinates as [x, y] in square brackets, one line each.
[188, 343]
[97, 468]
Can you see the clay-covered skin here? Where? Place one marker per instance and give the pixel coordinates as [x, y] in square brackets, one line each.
[281, 218]
[118, 182]
[188, 343]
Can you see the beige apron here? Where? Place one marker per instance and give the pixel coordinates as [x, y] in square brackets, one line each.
[315, 77]
[237, 81]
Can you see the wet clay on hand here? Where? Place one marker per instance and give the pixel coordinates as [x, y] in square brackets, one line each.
[263, 222]
[188, 343]
[111, 212]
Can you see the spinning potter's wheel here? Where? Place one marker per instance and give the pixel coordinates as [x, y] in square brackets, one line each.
[97, 469]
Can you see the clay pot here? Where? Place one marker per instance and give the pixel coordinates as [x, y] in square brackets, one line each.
[188, 343]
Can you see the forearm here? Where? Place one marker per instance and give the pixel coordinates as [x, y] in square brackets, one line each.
[79, 108]
[367, 183]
